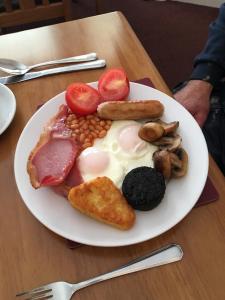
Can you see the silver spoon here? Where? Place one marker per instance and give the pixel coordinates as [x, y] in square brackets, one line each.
[14, 67]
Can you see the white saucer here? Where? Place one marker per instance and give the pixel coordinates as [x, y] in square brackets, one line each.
[7, 107]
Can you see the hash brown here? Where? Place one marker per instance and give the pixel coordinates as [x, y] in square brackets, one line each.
[103, 201]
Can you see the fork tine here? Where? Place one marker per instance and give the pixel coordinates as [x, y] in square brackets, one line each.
[37, 293]
[40, 297]
[44, 297]
[36, 290]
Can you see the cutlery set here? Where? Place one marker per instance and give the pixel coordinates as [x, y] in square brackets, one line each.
[20, 72]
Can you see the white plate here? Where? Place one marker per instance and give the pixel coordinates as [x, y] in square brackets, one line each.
[7, 107]
[181, 194]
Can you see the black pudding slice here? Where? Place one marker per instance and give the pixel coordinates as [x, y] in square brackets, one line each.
[144, 188]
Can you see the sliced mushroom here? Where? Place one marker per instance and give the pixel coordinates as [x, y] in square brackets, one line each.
[171, 164]
[162, 163]
[169, 127]
[151, 131]
[179, 170]
[170, 143]
[175, 161]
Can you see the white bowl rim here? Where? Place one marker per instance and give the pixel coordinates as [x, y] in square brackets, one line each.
[12, 98]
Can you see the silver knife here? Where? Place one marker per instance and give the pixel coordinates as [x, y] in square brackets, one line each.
[100, 63]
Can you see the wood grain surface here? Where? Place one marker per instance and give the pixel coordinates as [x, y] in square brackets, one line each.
[29, 12]
[30, 254]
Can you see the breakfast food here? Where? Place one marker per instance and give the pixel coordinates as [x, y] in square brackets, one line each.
[52, 162]
[103, 201]
[86, 129]
[94, 148]
[144, 188]
[113, 85]
[54, 154]
[130, 110]
[116, 154]
[171, 160]
[152, 131]
[171, 164]
[82, 99]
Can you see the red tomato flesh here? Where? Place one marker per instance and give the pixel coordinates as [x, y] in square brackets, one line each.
[82, 99]
[114, 85]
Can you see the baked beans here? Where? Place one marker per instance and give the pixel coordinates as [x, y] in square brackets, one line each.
[86, 129]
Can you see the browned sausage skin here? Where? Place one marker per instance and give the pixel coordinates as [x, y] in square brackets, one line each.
[131, 110]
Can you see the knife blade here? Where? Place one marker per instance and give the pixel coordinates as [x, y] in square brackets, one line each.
[100, 63]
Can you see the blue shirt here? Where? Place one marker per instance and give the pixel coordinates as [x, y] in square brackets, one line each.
[209, 65]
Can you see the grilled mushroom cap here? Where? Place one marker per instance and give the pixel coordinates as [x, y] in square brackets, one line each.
[169, 127]
[151, 131]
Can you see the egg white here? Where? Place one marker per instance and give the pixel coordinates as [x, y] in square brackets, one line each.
[113, 169]
[141, 155]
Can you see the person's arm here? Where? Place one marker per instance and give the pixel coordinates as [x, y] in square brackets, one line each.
[209, 65]
[209, 69]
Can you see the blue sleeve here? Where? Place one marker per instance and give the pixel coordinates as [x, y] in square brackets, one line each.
[209, 65]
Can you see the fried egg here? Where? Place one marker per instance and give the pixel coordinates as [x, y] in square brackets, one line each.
[120, 151]
[96, 162]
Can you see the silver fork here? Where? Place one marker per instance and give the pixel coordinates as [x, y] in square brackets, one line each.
[63, 290]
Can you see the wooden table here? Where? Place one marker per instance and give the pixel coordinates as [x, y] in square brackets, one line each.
[31, 255]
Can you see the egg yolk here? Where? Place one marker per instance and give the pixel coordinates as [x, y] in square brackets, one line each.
[129, 140]
[93, 161]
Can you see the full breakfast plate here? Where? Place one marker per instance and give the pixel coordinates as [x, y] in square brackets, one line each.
[55, 212]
